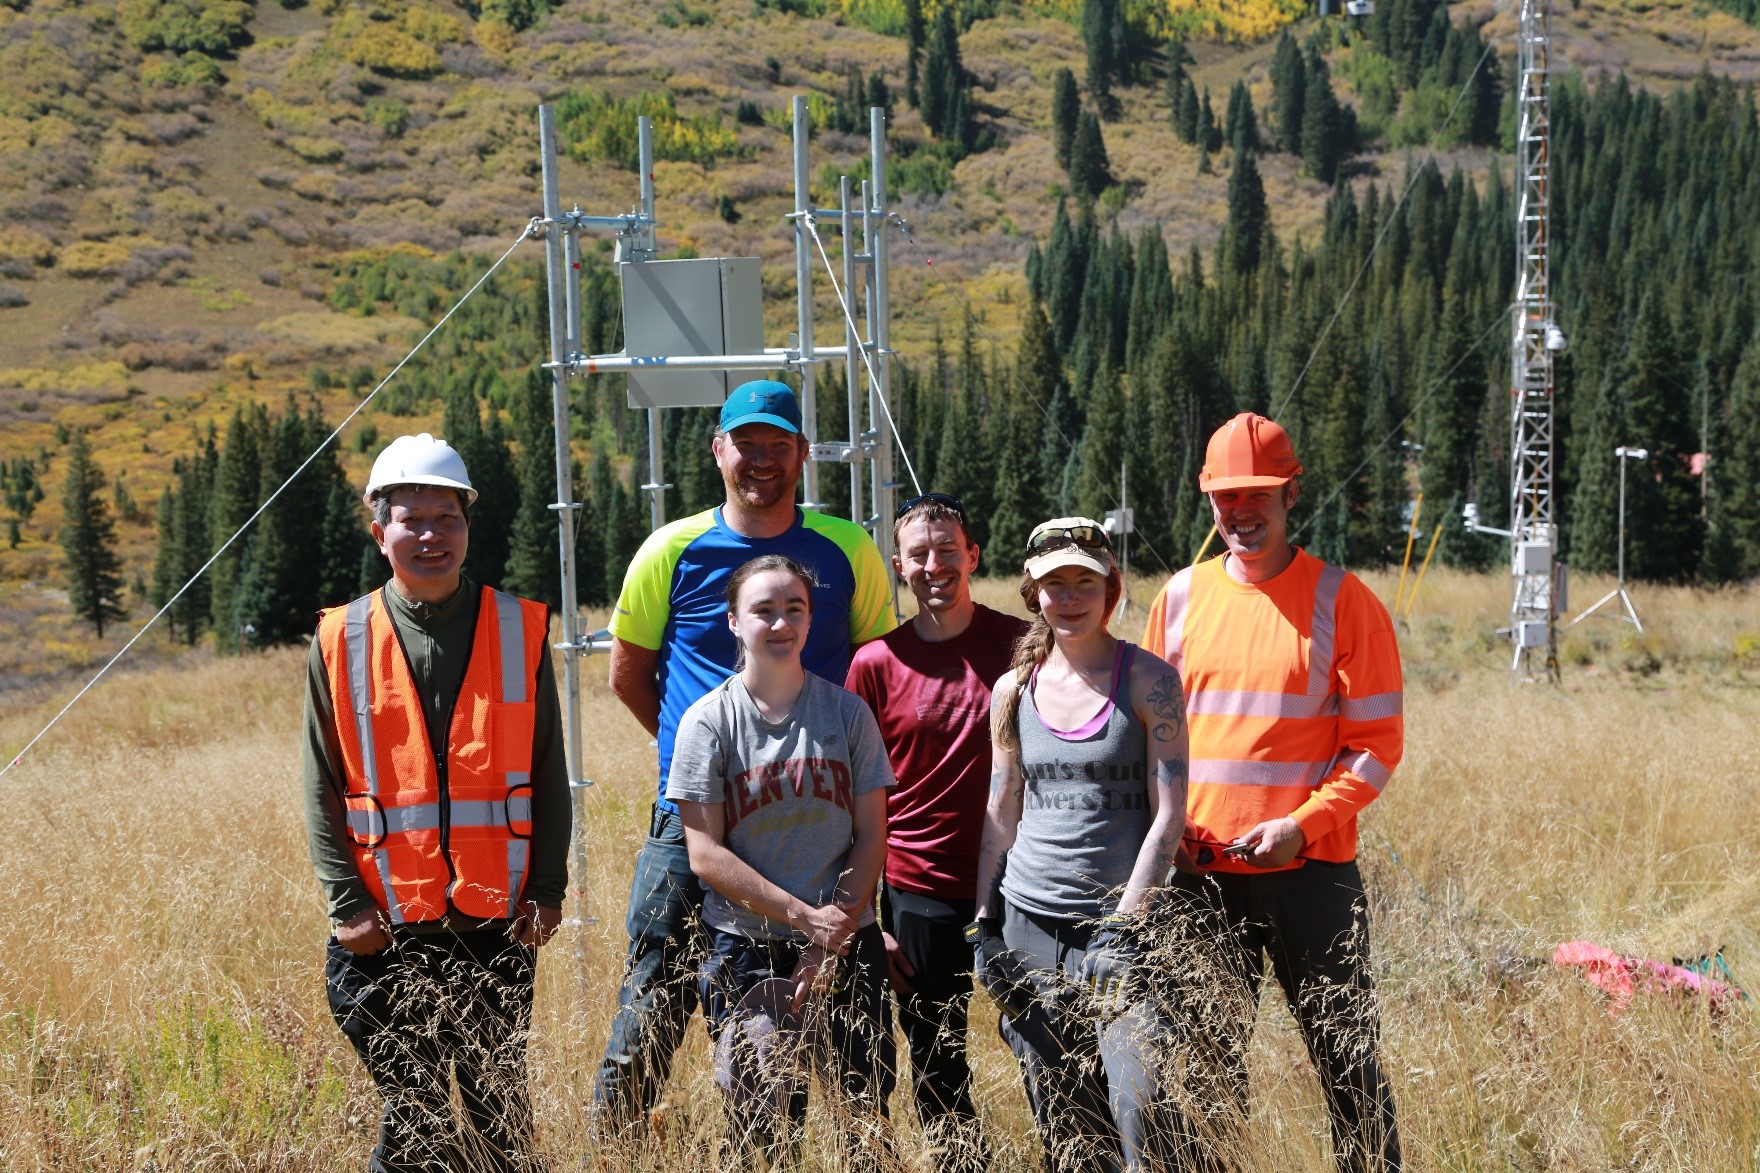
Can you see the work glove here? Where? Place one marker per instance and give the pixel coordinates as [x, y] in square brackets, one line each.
[998, 970]
[1113, 952]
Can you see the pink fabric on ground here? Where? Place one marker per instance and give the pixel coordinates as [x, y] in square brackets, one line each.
[1623, 977]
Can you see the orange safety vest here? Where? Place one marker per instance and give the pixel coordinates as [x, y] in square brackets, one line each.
[430, 835]
[1294, 701]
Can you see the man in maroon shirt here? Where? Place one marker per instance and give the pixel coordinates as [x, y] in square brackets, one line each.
[928, 683]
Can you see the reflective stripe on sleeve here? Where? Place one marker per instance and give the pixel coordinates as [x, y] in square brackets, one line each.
[357, 646]
[1373, 708]
[1323, 630]
[1368, 767]
[1227, 772]
[1222, 702]
[513, 648]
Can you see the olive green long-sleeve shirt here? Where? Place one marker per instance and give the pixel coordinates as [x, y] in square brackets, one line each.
[437, 639]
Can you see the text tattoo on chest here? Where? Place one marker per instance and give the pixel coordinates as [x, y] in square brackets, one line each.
[826, 779]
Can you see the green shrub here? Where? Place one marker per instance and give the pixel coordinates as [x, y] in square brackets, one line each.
[315, 150]
[515, 14]
[190, 69]
[432, 27]
[215, 27]
[595, 125]
[92, 258]
[393, 52]
[388, 114]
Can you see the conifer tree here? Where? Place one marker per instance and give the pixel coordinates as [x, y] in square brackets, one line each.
[1100, 23]
[235, 496]
[1066, 109]
[1289, 86]
[1187, 112]
[943, 75]
[1020, 480]
[1248, 216]
[189, 541]
[534, 560]
[1102, 449]
[1209, 134]
[345, 538]
[1663, 530]
[1594, 515]
[1738, 473]
[622, 528]
[1323, 139]
[490, 466]
[88, 539]
[1090, 172]
[165, 553]
[1241, 126]
[915, 31]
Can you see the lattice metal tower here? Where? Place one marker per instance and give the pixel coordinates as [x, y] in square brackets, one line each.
[1535, 341]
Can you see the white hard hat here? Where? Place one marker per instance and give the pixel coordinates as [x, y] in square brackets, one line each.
[419, 460]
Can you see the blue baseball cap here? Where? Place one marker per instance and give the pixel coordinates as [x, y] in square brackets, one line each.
[762, 401]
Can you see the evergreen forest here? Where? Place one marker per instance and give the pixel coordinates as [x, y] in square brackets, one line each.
[1381, 340]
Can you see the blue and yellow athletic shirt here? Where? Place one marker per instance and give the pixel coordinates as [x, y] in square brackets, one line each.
[673, 602]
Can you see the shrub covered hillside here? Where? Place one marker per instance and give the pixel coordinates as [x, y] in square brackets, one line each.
[221, 223]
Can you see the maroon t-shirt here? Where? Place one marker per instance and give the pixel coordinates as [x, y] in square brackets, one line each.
[933, 704]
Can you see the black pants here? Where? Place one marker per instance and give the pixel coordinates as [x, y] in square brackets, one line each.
[931, 935]
[1313, 925]
[855, 1052]
[1098, 1092]
[658, 995]
[432, 1010]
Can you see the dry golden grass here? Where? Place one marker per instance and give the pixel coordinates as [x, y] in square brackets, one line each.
[161, 1001]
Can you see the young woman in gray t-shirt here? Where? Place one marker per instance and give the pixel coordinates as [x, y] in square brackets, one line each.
[780, 779]
[1088, 801]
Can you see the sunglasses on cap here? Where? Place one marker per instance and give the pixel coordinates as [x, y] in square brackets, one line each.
[941, 499]
[1085, 537]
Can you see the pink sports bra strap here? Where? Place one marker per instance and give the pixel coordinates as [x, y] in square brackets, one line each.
[1098, 721]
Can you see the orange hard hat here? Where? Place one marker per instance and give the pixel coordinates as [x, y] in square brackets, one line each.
[1248, 452]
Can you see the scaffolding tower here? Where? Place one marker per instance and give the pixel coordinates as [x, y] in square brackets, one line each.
[1536, 340]
[865, 313]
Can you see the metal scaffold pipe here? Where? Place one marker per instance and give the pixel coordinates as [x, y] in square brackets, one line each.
[803, 275]
[879, 272]
[852, 351]
[558, 276]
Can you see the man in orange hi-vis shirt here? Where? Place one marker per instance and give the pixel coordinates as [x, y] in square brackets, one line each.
[1293, 693]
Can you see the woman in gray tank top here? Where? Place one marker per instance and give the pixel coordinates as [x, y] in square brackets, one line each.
[1087, 803]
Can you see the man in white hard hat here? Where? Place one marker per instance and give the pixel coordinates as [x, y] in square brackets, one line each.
[437, 815]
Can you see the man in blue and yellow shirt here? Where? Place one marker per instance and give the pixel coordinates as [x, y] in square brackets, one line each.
[671, 645]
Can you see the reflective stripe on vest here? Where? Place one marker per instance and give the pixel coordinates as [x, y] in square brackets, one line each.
[422, 849]
[1321, 699]
[1179, 593]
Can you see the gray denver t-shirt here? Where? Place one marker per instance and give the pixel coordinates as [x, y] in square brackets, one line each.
[789, 790]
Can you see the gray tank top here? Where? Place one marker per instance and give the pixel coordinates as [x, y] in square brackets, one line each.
[1085, 812]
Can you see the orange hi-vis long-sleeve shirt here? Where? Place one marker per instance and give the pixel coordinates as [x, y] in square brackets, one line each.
[1293, 698]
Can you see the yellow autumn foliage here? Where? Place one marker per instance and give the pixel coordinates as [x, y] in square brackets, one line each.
[92, 258]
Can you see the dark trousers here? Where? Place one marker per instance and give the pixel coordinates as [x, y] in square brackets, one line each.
[855, 1051]
[1313, 925]
[931, 935]
[433, 1010]
[659, 993]
[1098, 1092]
